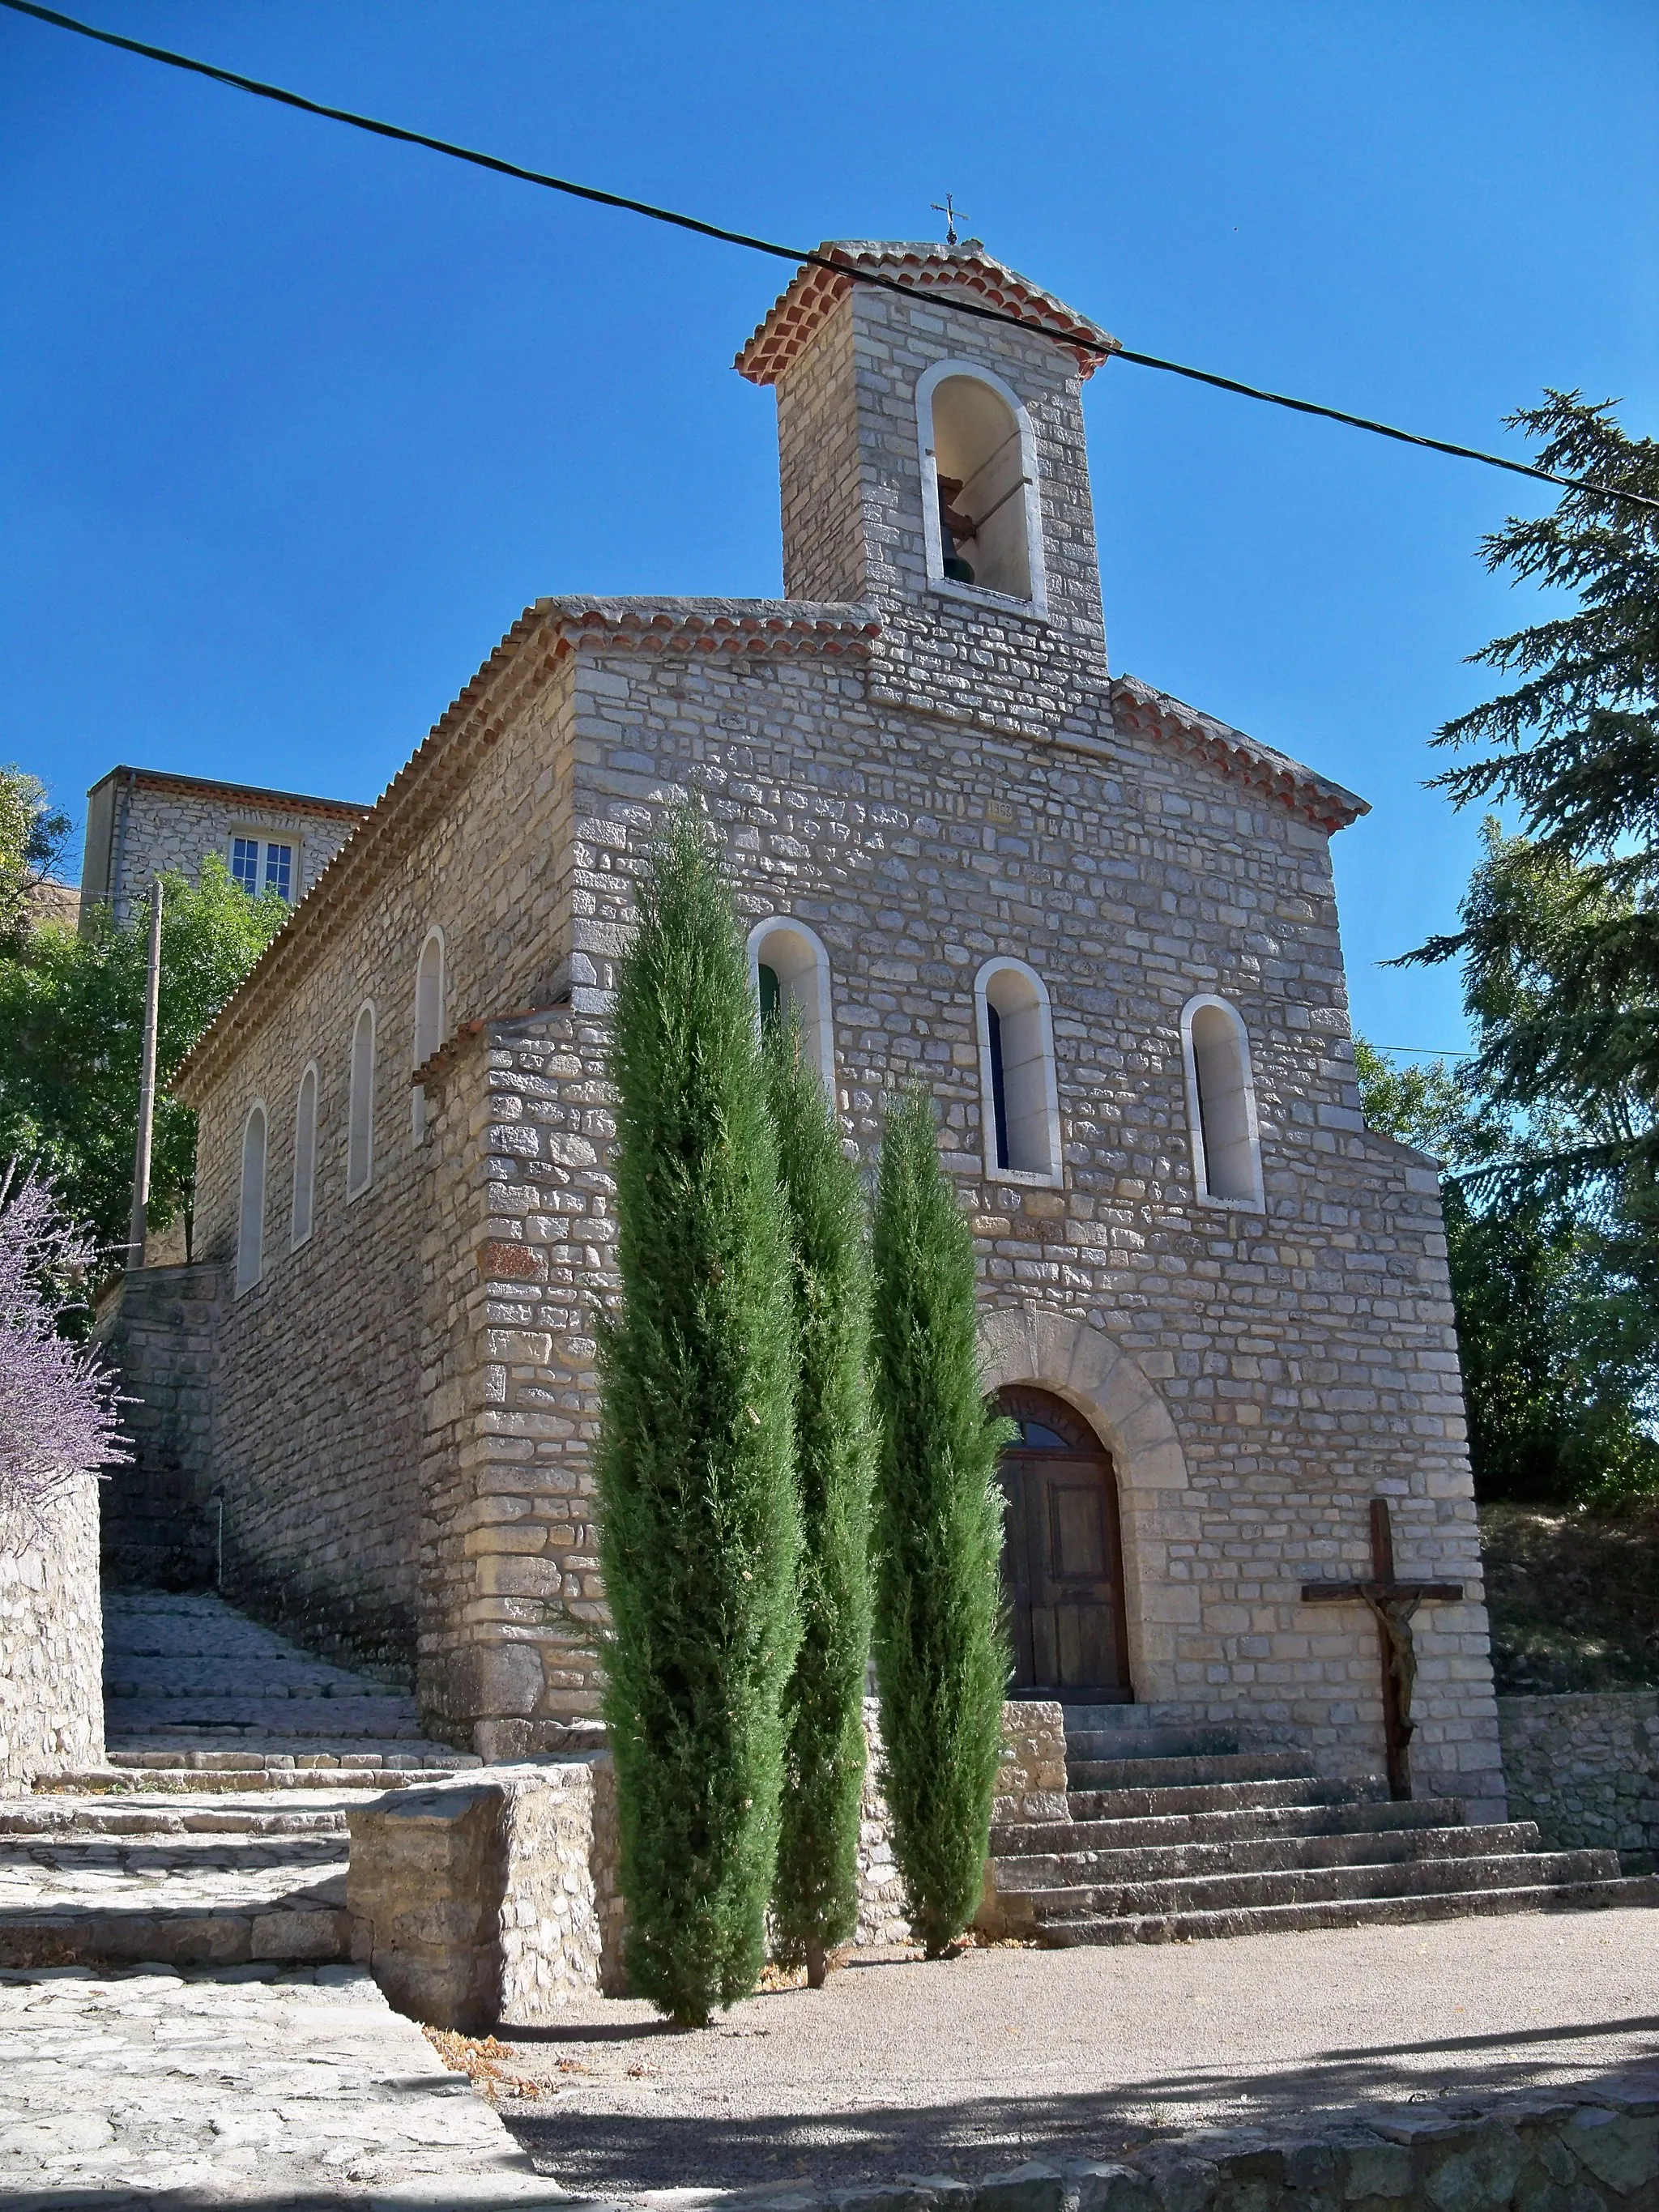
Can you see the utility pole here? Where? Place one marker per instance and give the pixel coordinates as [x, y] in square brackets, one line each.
[147, 1083]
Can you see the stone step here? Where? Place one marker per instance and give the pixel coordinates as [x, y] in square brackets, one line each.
[1116, 1743]
[206, 1752]
[293, 1930]
[1249, 1826]
[78, 1899]
[1221, 1892]
[161, 1680]
[189, 1781]
[1186, 1773]
[387, 1718]
[1355, 1912]
[113, 1816]
[1221, 1797]
[1036, 1871]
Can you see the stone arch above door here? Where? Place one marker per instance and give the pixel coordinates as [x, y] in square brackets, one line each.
[1112, 1392]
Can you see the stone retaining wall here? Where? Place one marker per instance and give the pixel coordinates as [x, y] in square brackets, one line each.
[495, 1898]
[1585, 1766]
[156, 1331]
[52, 1644]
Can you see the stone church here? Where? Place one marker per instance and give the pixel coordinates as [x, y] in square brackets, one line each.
[1098, 923]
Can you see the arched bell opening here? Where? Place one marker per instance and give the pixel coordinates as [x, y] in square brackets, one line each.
[979, 483]
[1062, 1557]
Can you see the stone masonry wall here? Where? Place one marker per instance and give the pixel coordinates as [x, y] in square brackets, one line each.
[158, 828]
[52, 1643]
[1585, 1767]
[1306, 1353]
[157, 1331]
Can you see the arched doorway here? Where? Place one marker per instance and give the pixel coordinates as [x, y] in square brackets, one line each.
[1062, 1561]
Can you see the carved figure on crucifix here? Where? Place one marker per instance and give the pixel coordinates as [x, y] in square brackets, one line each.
[1392, 1603]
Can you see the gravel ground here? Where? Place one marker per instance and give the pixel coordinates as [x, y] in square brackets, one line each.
[971, 2066]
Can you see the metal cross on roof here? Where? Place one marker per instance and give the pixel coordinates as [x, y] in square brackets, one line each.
[947, 207]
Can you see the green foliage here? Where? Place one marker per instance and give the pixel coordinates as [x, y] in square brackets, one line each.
[1560, 937]
[32, 834]
[941, 1645]
[698, 1522]
[72, 1014]
[815, 1896]
[1557, 1343]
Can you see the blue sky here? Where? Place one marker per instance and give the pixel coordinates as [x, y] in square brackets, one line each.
[293, 422]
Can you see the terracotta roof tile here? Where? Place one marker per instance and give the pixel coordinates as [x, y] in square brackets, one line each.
[1138, 709]
[967, 271]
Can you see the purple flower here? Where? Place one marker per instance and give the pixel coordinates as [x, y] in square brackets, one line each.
[57, 1402]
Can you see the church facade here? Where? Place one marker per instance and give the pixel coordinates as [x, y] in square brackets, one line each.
[1098, 925]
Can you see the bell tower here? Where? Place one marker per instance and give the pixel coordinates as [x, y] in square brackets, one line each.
[933, 463]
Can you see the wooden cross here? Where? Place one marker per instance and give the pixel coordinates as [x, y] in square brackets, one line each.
[1393, 1603]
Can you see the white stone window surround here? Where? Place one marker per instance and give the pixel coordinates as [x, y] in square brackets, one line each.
[977, 594]
[262, 837]
[1030, 1083]
[360, 1112]
[250, 1199]
[795, 953]
[1221, 1113]
[429, 986]
[303, 1215]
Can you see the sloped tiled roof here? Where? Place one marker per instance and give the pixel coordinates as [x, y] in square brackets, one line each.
[1139, 710]
[542, 636]
[965, 271]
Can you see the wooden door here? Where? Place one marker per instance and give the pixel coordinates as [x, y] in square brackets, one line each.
[1062, 1559]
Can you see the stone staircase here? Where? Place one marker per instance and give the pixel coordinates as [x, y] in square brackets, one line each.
[215, 1833]
[1175, 1833]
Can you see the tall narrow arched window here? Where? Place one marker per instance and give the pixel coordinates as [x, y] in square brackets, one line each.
[982, 516]
[1221, 1104]
[360, 1114]
[305, 1158]
[428, 1019]
[789, 970]
[1019, 1096]
[251, 1211]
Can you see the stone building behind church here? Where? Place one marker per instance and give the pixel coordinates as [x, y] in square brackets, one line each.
[1098, 924]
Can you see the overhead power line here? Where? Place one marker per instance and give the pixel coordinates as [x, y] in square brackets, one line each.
[810, 255]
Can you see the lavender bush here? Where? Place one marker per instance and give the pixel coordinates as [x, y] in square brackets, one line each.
[58, 1404]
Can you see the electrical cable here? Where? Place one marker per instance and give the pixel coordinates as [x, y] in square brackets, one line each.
[810, 256]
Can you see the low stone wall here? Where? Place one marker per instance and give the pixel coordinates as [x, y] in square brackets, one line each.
[1593, 2148]
[494, 1898]
[1585, 1767]
[156, 1330]
[52, 1643]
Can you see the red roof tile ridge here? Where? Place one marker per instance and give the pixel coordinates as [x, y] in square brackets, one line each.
[1138, 705]
[967, 268]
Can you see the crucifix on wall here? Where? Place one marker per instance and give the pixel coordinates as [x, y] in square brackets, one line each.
[1392, 1603]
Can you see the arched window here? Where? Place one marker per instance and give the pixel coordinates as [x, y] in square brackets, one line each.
[1019, 1098]
[250, 1213]
[428, 1019]
[1221, 1104]
[982, 517]
[305, 1157]
[360, 1119]
[789, 968]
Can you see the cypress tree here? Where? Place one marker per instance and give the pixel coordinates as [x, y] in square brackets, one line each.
[941, 1645]
[815, 1897]
[698, 1522]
